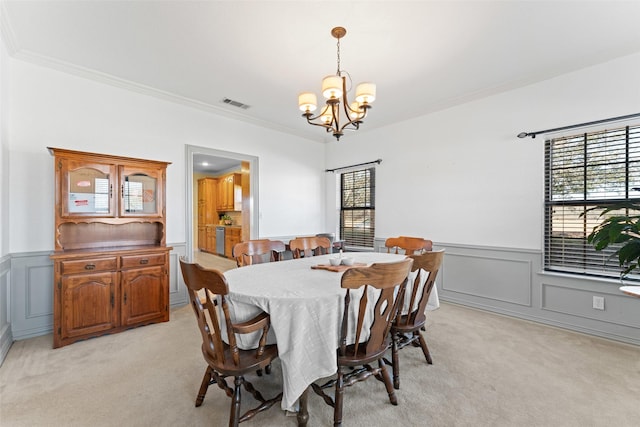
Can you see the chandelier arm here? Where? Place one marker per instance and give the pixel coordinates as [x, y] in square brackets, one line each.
[346, 105]
[327, 127]
[361, 111]
[335, 112]
[309, 115]
[357, 121]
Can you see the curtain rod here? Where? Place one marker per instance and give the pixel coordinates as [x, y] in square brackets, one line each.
[613, 119]
[353, 166]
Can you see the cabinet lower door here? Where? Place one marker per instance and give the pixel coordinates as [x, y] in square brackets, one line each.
[88, 304]
[144, 295]
[202, 238]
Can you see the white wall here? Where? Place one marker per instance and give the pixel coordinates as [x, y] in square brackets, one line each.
[458, 175]
[461, 176]
[4, 151]
[52, 108]
[5, 308]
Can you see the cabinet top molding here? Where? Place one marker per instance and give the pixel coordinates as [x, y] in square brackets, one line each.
[62, 152]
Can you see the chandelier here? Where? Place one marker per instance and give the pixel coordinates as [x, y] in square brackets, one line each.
[334, 88]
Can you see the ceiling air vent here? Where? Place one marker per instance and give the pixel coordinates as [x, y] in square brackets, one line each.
[235, 103]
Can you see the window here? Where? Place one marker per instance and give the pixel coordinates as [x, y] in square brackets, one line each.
[583, 171]
[357, 207]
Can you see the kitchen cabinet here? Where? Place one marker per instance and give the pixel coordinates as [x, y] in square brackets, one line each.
[207, 211]
[231, 237]
[230, 192]
[202, 237]
[211, 239]
[111, 263]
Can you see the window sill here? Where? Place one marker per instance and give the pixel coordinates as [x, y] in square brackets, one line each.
[595, 279]
[358, 249]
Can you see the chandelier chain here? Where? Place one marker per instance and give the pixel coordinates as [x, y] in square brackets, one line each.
[338, 70]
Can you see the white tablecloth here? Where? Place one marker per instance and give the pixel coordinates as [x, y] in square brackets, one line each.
[305, 306]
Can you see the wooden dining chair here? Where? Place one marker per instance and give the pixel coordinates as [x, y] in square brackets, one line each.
[310, 246]
[406, 329]
[410, 245]
[207, 290]
[258, 251]
[376, 293]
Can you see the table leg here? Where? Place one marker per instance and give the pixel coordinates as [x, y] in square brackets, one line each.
[303, 413]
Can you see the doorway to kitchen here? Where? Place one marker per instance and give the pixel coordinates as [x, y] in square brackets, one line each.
[220, 162]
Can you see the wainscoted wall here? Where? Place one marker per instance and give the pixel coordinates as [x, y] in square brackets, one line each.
[31, 292]
[511, 282]
[5, 313]
[177, 289]
[501, 280]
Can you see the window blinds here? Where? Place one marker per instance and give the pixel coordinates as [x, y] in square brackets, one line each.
[357, 207]
[582, 171]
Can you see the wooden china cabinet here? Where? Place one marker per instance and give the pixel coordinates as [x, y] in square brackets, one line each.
[111, 262]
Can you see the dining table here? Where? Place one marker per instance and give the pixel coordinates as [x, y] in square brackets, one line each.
[305, 303]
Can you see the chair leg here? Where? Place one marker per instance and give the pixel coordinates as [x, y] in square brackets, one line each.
[234, 417]
[425, 349]
[387, 382]
[337, 409]
[303, 412]
[395, 365]
[206, 380]
[267, 370]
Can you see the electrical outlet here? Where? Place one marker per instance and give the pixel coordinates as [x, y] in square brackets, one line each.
[598, 303]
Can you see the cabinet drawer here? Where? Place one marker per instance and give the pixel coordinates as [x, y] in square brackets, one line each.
[133, 261]
[89, 265]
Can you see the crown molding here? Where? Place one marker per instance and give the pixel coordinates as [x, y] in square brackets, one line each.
[108, 79]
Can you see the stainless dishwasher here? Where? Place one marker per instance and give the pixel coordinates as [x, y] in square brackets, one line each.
[220, 240]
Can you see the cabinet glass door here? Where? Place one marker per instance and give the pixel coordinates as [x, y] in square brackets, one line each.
[88, 190]
[139, 192]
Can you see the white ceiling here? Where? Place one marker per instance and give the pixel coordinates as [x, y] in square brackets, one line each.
[423, 55]
[212, 165]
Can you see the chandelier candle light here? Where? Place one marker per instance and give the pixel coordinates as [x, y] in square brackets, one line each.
[334, 89]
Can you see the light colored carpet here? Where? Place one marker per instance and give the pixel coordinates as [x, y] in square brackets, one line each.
[488, 370]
